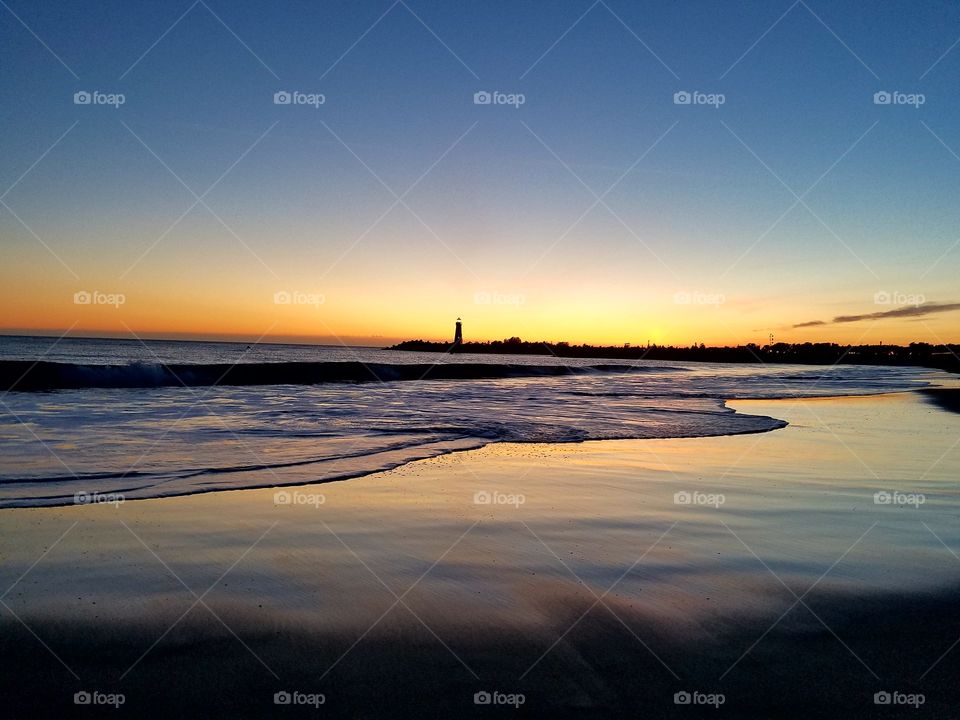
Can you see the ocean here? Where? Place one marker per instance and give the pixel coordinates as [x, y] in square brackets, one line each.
[128, 419]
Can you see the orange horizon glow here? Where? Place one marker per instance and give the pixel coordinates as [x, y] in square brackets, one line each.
[379, 311]
[861, 333]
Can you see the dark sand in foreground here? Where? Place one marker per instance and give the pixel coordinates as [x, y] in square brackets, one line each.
[601, 594]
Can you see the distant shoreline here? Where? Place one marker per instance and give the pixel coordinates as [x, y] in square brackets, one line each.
[944, 398]
[941, 357]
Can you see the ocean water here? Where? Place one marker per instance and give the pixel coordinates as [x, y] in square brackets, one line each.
[88, 418]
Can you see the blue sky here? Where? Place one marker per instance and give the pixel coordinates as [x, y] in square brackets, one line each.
[695, 208]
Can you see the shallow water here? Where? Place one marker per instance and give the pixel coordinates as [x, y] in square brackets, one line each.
[60, 447]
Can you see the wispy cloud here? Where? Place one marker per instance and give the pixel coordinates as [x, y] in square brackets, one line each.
[931, 308]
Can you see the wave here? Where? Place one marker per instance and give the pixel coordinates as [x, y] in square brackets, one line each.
[23, 375]
[305, 421]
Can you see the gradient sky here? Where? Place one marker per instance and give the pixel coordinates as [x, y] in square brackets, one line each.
[502, 225]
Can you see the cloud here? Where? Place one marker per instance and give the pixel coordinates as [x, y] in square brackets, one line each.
[901, 312]
[812, 323]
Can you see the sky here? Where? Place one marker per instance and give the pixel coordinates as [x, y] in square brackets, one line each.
[587, 201]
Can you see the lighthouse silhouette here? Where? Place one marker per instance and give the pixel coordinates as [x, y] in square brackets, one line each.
[458, 333]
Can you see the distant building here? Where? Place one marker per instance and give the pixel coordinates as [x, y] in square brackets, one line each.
[458, 333]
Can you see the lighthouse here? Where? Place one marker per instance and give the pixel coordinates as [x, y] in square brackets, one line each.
[458, 333]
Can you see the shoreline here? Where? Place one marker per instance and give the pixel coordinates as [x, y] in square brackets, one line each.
[939, 357]
[946, 398]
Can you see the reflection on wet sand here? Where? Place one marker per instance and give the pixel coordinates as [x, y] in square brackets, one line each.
[771, 568]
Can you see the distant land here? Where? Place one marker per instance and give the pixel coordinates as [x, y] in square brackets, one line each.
[944, 357]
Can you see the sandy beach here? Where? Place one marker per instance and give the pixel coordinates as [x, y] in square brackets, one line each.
[794, 573]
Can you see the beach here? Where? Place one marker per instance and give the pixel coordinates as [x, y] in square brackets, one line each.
[792, 573]
[422, 359]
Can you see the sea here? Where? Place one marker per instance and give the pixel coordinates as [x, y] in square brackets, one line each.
[83, 419]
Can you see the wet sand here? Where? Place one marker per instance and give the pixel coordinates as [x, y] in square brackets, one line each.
[600, 580]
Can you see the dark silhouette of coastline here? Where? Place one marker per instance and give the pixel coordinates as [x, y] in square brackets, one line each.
[944, 357]
[944, 398]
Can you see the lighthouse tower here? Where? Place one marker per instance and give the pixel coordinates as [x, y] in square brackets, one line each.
[458, 333]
